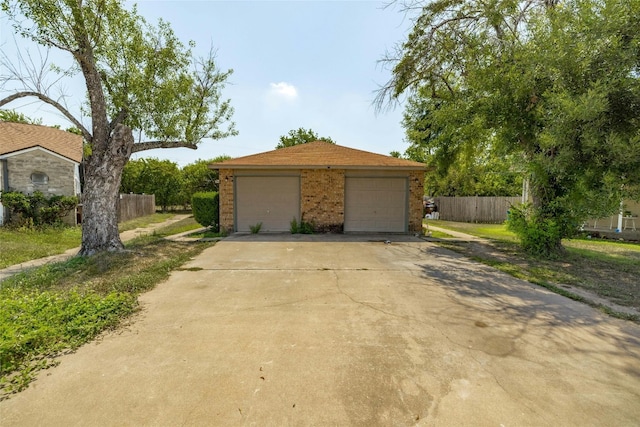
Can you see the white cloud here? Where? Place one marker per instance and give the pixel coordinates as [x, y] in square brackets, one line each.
[283, 90]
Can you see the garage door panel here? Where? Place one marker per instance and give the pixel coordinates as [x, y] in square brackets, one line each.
[375, 204]
[270, 200]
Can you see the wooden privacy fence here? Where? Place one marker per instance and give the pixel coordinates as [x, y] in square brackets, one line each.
[475, 209]
[132, 206]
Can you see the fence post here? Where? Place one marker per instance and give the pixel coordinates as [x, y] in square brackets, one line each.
[475, 210]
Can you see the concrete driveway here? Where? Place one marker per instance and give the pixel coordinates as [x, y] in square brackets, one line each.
[300, 330]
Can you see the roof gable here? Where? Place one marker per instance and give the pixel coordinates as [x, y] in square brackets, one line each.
[317, 155]
[38, 148]
[19, 136]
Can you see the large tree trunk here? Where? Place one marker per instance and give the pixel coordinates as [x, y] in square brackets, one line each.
[103, 172]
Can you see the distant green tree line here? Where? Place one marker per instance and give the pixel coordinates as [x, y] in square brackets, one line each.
[172, 185]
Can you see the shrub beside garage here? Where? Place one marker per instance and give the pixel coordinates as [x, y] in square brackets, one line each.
[206, 209]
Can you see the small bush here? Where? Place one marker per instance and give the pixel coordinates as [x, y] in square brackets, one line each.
[302, 227]
[206, 209]
[306, 228]
[58, 207]
[35, 210]
[538, 236]
[255, 229]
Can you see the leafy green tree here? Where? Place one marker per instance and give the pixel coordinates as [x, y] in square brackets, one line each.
[138, 76]
[198, 177]
[171, 185]
[130, 182]
[301, 136]
[553, 84]
[162, 178]
[74, 130]
[463, 163]
[152, 176]
[16, 117]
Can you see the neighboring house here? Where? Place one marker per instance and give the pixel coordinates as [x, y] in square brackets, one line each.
[627, 219]
[39, 158]
[336, 188]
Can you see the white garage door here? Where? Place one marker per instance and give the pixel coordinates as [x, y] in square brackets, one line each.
[375, 204]
[271, 200]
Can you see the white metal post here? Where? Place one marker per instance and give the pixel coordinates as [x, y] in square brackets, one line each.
[619, 229]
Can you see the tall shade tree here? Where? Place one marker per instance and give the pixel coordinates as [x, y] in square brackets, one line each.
[138, 77]
[467, 162]
[301, 136]
[553, 83]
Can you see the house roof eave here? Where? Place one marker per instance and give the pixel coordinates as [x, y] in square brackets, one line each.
[316, 167]
[37, 147]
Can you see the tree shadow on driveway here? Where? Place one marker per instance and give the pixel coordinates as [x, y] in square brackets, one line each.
[515, 307]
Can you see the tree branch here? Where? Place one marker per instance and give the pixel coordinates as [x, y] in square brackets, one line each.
[85, 133]
[122, 115]
[150, 145]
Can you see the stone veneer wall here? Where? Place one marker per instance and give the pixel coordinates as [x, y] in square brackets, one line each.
[416, 192]
[226, 200]
[60, 173]
[322, 198]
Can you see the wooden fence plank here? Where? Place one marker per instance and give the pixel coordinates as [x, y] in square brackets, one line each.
[494, 210]
[132, 206]
[475, 208]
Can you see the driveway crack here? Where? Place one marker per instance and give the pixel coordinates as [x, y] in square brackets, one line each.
[362, 303]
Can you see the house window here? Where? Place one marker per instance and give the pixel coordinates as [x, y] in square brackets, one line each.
[39, 178]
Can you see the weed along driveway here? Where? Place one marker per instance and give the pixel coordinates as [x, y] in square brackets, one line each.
[343, 330]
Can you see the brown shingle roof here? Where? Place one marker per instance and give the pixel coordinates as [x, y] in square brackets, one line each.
[316, 155]
[20, 136]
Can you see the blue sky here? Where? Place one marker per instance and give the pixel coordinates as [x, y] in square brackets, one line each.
[310, 64]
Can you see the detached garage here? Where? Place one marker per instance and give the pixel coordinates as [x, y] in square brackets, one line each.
[335, 188]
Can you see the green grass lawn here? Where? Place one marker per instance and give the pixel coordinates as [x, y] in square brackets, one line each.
[487, 231]
[24, 245]
[622, 251]
[614, 251]
[439, 234]
[17, 246]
